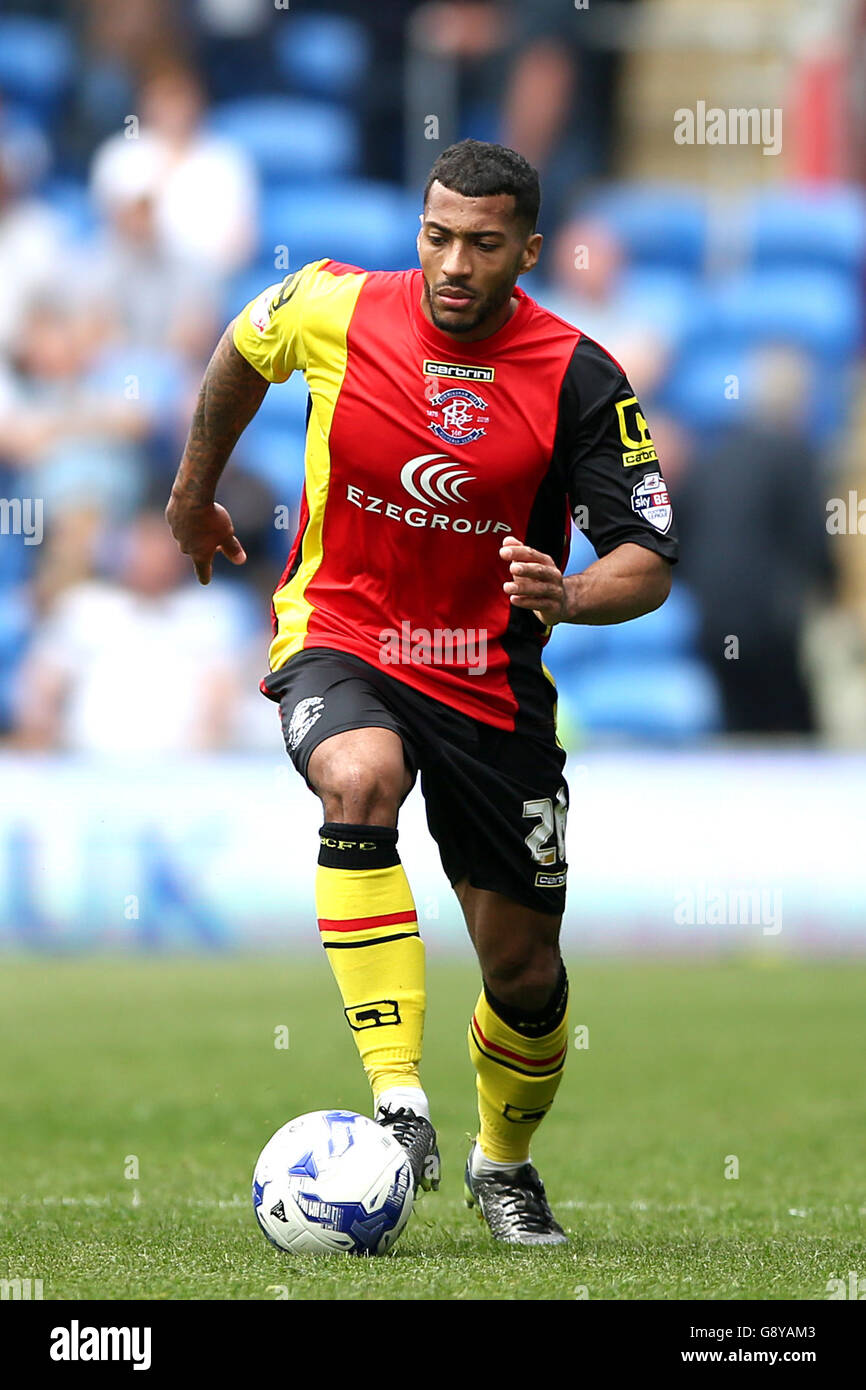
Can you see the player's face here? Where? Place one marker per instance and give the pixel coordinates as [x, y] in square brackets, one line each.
[472, 250]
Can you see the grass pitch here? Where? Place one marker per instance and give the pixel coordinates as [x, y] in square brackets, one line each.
[168, 1070]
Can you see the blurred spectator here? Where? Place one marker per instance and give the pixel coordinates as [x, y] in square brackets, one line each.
[560, 100]
[31, 238]
[751, 512]
[145, 663]
[587, 287]
[235, 45]
[139, 288]
[207, 201]
[72, 433]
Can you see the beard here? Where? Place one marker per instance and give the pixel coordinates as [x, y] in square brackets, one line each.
[483, 309]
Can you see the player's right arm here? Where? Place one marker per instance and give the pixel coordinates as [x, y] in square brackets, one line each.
[231, 392]
[263, 344]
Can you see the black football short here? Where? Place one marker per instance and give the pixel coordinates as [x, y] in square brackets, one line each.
[496, 800]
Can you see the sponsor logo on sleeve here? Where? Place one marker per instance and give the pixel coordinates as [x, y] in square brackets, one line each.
[651, 502]
[635, 435]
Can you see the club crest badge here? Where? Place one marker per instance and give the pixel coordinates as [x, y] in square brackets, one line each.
[459, 420]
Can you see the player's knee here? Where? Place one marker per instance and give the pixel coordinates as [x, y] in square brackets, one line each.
[524, 978]
[357, 793]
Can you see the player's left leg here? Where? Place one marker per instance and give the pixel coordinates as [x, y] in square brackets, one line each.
[518, 1044]
[497, 803]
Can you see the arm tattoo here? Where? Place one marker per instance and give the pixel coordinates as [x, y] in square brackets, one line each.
[231, 393]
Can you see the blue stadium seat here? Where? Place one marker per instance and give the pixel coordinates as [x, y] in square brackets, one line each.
[323, 55]
[36, 62]
[696, 392]
[69, 198]
[669, 632]
[659, 224]
[16, 560]
[362, 222]
[700, 390]
[573, 647]
[275, 453]
[667, 701]
[639, 679]
[291, 139]
[16, 621]
[661, 295]
[248, 285]
[285, 405]
[819, 226]
[808, 308]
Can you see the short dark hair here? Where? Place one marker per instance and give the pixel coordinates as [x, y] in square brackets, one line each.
[477, 169]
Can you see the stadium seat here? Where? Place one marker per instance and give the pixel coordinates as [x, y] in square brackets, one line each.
[707, 387]
[821, 227]
[808, 308]
[659, 225]
[16, 621]
[669, 632]
[661, 295]
[275, 454]
[640, 679]
[668, 701]
[36, 62]
[698, 392]
[323, 55]
[71, 201]
[291, 139]
[362, 222]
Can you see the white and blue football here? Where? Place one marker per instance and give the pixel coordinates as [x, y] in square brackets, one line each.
[333, 1182]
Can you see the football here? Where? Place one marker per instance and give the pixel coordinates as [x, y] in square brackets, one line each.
[333, 1183]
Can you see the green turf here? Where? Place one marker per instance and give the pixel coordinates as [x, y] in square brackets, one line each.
[174, 1062]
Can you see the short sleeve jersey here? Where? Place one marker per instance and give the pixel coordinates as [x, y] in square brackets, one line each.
[422, 454]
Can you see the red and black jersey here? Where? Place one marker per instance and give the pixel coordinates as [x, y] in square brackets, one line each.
[422, 454]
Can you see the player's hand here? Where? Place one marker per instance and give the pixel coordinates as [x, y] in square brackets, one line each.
[201, 530]
[535, 582]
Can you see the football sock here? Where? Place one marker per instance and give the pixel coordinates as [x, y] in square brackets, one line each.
[404, 1097]
[481, 1164]
[369, 929]
[518, 1058]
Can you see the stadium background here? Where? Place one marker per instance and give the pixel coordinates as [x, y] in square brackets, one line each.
[159, 165]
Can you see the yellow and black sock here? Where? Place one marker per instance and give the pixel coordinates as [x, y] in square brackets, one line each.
[369, 929]
[519, 1059]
